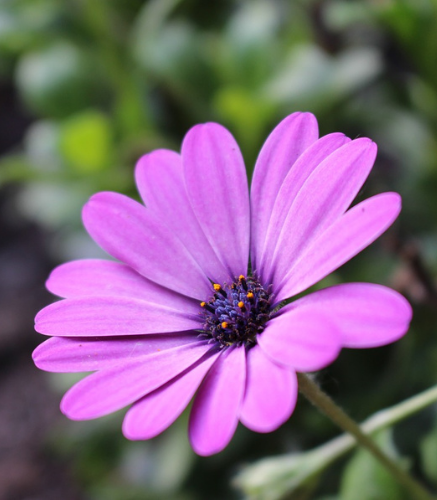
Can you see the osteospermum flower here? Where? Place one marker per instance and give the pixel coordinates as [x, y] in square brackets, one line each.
[193, 307]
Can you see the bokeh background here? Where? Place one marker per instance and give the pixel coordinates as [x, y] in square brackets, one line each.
[86, 87]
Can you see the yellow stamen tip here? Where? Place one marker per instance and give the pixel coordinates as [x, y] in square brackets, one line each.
[240, 304]
[249, 295]
[202, 304]
[217, 287]
[241, 277]
[224, 324]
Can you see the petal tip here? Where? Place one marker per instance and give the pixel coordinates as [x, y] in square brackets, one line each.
[205, 450]
[128, 432]
[101, 198]
[70, 409]
[37, 356]
[204, 131]
[39, 318]
[405, 310]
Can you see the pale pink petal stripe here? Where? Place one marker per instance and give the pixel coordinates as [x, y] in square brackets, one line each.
[136, 236]
[160, 180]
[307, 162]
[216, 184]
[288, 140]
[107, 316]
[345, 238]
[214, 416]
[324, 197]
[271, 393]
[367, 315]
[63, 355]
[93, 277]
[303, 339]
[110, 390]
[158, 410]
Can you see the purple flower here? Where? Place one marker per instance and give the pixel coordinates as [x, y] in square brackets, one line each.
[193, 306]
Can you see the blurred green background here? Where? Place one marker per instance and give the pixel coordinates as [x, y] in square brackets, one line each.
[88, 86]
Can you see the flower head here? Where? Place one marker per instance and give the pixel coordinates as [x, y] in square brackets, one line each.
[193, 305]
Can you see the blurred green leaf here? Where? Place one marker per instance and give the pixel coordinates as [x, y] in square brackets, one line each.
[428, 449]
[173, 53]
[151, 19]
[246, 114]
[41, 145]
[24, 23]
[315, 80]
[58, 80]
[249, 48]
[343, 14]
[176, 58]
[54, 205]
[413, 24]
[86, 142]
[366, 479]
[162, 464]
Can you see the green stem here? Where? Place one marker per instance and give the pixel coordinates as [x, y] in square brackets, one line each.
[327, 406]
[273, 478]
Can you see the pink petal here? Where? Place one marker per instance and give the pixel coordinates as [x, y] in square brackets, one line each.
[158, 410]
[282, 148]
[303, 339]
[346, 237]
[214, 416]
[136, 236]
[104, 316]
[271, 393]
[93, 277]
[160, 181]
[366, 315]
[307, 162]
[216, 183]
[63, 355]
[110, 390]
[324, 197]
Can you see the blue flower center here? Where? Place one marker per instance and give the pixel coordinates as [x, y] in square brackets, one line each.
[237, 313]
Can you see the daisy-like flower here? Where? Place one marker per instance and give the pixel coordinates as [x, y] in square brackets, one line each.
[193, 305]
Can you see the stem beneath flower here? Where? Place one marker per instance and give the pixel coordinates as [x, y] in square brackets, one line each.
[327, 406]
[276, 477]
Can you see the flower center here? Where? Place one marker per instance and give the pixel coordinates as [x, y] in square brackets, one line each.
[237, 313]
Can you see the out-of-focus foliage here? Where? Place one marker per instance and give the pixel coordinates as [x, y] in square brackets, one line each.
[102, 82]
[364, 478]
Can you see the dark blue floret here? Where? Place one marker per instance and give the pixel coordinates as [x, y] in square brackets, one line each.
[237, 313]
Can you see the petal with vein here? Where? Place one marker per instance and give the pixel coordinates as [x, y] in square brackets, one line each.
[94, 277]
[214, 416]
[324, 197]
[271, 393]
[307, 162]
[285, 144]
[216, 184]
[158, 410]
[110, 390]
[160, 180]
[136, 236]
[108, 316]
[303, 339]
[367, 315]
[345, 238]
[63, 355]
